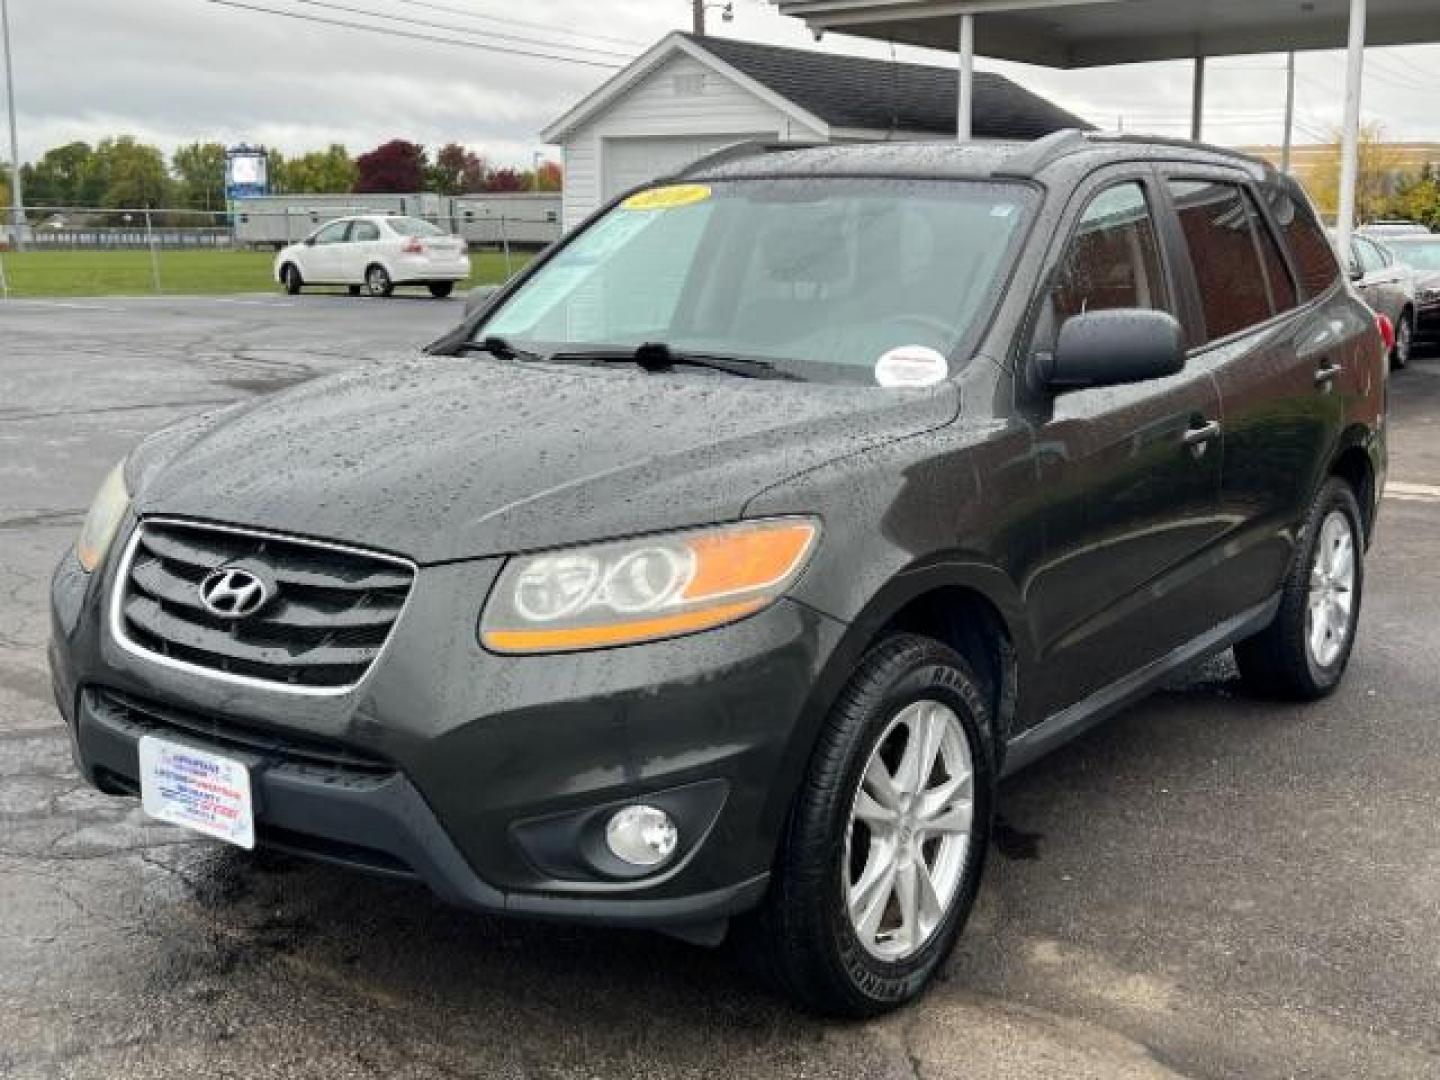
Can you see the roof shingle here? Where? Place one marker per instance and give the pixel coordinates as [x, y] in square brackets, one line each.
[878, 95]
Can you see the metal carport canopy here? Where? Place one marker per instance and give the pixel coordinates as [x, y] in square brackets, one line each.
[1096, 33]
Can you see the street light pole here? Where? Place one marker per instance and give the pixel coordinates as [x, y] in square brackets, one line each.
[698, 18]
[17, 196]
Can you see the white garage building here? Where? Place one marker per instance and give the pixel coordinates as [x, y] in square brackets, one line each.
[688, 96]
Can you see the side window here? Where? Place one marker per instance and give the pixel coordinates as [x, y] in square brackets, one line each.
[364, 231]
[1219, 231]
[1315, 260]
[1282, 285]
[333, 233]
[1113, 260]
[1372, 260]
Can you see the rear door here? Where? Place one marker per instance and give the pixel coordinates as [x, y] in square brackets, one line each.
[361, 249]
[1129, 476]
[1277, 356]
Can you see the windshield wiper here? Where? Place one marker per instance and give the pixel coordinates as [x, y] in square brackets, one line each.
[500, 348]
[657, 356]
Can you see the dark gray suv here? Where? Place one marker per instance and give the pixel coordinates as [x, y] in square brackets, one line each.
[712, 573]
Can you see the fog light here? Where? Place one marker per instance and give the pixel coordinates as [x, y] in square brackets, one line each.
[641, 835]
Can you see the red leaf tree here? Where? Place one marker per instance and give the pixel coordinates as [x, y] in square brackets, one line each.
[397, 167]
[503, 180]
[456, 171]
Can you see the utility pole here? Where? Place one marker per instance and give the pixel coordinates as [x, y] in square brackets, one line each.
[1289, 115]
[698, 7]
[17, 196]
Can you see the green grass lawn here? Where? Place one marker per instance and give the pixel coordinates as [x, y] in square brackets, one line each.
[128, 273]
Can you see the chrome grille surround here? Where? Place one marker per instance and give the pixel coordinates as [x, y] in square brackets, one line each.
[335, 617]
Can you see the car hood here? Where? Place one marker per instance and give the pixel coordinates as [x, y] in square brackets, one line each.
[441, 458]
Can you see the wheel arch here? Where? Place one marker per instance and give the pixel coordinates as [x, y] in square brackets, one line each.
[1354, 463]
[971, 606]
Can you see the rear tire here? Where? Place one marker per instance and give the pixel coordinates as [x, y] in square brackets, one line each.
[290, 278]
[862, 814]
[1303, 653]
[354, 290]
[1404, 342]
[441, 289]
[377, 281]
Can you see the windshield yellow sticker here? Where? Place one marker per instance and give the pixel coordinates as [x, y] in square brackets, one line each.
[668, 198]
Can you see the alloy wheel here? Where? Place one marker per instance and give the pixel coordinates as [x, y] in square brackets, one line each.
[1328, 622]
[909, 834]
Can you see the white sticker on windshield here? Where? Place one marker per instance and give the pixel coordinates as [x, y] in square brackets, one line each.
[911, 365]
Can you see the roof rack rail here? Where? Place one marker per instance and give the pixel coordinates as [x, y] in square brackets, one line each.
[1179, 144]
[1036, 155]
[739, 151]
[1047, 150]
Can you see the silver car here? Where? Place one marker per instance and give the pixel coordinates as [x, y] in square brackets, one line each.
[1388, 286]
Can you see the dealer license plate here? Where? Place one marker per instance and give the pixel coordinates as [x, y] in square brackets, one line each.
[197, 789]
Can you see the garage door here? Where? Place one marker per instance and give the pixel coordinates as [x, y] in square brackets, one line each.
[631, 162]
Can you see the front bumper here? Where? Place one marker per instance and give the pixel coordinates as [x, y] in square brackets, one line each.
[461, 768]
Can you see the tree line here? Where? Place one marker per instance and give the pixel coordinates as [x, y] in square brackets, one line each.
[123, 173]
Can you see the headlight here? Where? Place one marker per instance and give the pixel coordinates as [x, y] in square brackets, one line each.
[644, 589]
[106, 513]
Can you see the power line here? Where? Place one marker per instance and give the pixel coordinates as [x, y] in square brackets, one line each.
[410, 20]
[413, 36]
[504, 21]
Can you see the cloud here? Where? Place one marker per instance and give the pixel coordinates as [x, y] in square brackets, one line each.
[175, 71]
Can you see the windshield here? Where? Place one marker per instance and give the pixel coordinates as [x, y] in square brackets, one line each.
[1419, 256]
[409, 226]
[822, 276]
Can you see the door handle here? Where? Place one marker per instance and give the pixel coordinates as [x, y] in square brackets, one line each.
[1199, 436]
[1328, 374]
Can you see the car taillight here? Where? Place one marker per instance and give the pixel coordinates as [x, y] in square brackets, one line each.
[1387, 331]
[413, 247]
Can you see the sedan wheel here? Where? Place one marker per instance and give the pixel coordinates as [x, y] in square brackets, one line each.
[1404, 342]
[378, 282]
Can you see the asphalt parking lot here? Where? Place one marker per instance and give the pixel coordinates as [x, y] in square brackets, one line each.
[1207, 887]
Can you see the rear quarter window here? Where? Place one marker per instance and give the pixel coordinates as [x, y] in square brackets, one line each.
[1314, 258]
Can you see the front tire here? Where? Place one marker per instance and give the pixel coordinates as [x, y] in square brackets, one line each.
[1303, 653]
[377, 281]
[290, 278]
[885, 846]
[441, 289]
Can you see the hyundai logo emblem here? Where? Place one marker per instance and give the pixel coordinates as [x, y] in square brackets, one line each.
[232, 592]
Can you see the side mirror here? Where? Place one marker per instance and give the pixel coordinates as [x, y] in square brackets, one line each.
[1113, 348]
[478, 297]
[1356, 273]
[309, 241]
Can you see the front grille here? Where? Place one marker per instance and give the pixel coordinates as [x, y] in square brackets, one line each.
[137, 717]
[333, 610]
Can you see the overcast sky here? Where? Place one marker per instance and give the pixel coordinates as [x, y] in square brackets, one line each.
[176, 71]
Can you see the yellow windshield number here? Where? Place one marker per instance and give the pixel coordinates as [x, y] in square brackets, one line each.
[668, 198]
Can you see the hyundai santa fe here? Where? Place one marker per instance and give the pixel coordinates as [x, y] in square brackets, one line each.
[712, 573]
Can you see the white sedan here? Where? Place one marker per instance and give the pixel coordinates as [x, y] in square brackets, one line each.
[378, 252]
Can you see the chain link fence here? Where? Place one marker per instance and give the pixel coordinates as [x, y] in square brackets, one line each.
[83, 251]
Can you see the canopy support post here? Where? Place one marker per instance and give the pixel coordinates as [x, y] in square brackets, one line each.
[965, 110]
[1197, 100]
[1350, 144]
